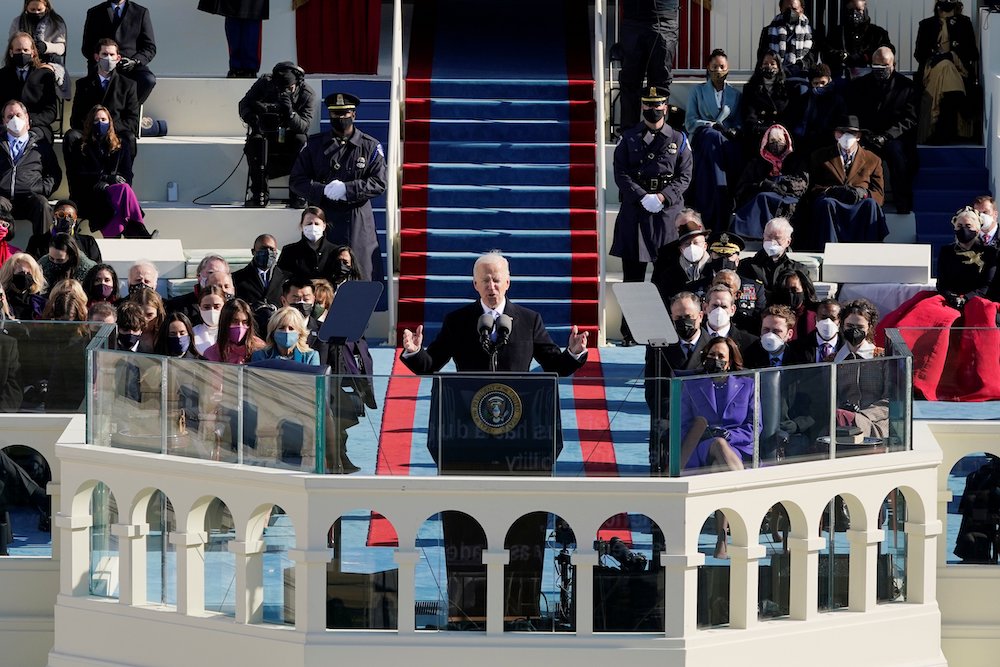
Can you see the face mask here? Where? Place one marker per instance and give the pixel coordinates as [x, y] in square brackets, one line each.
[286, 340]
[773, 248]
[653, 115]
[719, 77]
[986, 223]
[881, 72]
[693, 253]
[126, 341]
[104, 290]
[821, 90]
[63, 226]
[769, 73]
[718, 318]
[854, 335]
[775, 148]
[135, 289]
[102, 127]
[713, 365]
[826, 328]
[847, 141]
[237, 332]
[789, 15]
[685, 327]
[107, 64]
[22, 282]
[265, 259]
[210, 317]
[794, 299]
[341, 124]
[343, 271]
[313, 232]
[16, 125]
[965, 235]
[21, 59]
[857, 18]
[304, 308]
[771, 342]
[177, 346]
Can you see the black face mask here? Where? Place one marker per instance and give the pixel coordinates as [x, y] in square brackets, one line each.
[685, 327]
[964, 234]
[126, 341]
[343, 271]
[21, 59]
[857, 18]
[769, 74]
[653, 115]
[945, 6]
[854, 335]
[342, 124]
[22, 282]
[265, 259]
[789, 16]
[713, 365]
[794, 299]
[135, 289]
[177, 346]
[63, 226]
[305, 308]
[881, 73]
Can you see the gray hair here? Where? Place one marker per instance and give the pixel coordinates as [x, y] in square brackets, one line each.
[144, 264]
[211, 258]
[779, 226]
[492, 258]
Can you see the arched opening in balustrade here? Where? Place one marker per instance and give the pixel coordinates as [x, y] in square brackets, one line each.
[892, 550]
[775, 568]
[835, 556]
[450, 575]
[161, 554]
[274, 568]
[972, 525]
[628, 580]
[25, 508]
[104, 557]
[539, 579]
[722, 528]
[362, 578]
[219, 561]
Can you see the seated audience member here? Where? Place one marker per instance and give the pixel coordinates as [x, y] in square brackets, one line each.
[259, 282]
[101, 285]
[986, 207]
[176, 338]
[683, 266]
[102, 312]
[813, 115]
[713, 122]
[65, 221]
[820, 344]
[7, 249]
[66, 303]
[206, 333]
[23, 284]
[128, 23]
[237, 340]
[886, 102]
[850, 46]
[64, 260]
[188, 303]
[797, 291]
[131, 321]
[29, 171]
[153, 314]
[348, 269]
[105, 87]
[25, 79]
[846, 188]
[750, 298]
[99, 171]
[951, 365]
[764, 101]
[299, 293]
[777, 329]
[142, 275]
[773, 260]
[278, 109]
[719, 308]
[790, 36]
[862, 389]
[324, 291]
[312, 256]
[948, 61]
[771, 184]
[47, 28]
[286, 339]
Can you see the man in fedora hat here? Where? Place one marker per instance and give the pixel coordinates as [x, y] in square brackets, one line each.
[847, 190]
[652, 170]
[683, 265]
[341, 171]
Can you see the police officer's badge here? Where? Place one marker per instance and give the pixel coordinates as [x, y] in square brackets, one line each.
[496, 409]
[672, 148]
[360, 164]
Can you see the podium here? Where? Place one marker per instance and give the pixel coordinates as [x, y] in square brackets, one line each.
[496, 424]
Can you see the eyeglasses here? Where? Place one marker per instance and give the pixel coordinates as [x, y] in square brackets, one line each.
[4, 224]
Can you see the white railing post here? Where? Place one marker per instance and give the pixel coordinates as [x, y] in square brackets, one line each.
[600, 30]
[392, 216]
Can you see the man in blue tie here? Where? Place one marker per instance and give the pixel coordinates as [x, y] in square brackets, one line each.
[29, 171]
[127, 23]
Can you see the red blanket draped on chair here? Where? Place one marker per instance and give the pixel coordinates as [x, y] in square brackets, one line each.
[338, 36]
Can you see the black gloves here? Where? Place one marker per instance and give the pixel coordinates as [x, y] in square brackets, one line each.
[285, 105]
[41, 46]
[956, 301]
[847, 194]
[877, 141]
[127, 64]
[718, 432]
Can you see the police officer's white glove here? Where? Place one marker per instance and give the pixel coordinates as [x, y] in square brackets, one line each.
[652, 203]
[335, 190]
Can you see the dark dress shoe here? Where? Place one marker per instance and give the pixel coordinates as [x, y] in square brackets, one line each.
[256, 201]
[628, 341]
[296, 203]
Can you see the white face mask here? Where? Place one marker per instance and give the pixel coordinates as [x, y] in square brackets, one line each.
[827, 329]
[718, 318]
[773, 248]
[313, 232]
[987, 223]
[847, 141]
[16, 125]
[693, 253]
[211, 318]
[771, 342]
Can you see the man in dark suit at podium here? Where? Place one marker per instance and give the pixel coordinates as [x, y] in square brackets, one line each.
[460, 340]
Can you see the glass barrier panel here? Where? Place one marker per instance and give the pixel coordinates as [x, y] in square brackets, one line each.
[128, 401]
[629, 583]
[354, 437]
[201, 419]
[25, 509]
[279, 419]
[973, 522]
[869, 402]
[104, 557]
[362, 578]
[795, 413]
[892, 550]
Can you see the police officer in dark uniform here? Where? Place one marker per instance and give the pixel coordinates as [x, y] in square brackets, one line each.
[652, 170]
[341, 172]
[278, 109]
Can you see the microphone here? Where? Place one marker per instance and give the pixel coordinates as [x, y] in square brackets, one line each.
[504, 324]
[485, 328]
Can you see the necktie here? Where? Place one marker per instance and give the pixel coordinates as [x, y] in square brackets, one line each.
[775, 361]
[118, 10]
[493, 334]
[104, 84]
[264, 279]
[715, 334]
[687, 348]
[16, 149]
[23, 73]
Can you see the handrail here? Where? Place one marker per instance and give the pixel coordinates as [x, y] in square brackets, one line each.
[392, 219]
[600, 28]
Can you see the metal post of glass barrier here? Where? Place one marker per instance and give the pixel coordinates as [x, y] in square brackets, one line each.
[163, 405]
[240, 379]
[833, 410]
[320, 410]
[674, 417]
[756, 418]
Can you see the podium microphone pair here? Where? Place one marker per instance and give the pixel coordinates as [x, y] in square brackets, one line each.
[488, 325]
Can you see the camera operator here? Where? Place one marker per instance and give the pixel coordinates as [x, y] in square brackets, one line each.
[278, 109]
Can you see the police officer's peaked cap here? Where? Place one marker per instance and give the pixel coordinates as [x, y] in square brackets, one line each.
[341, 102]
[654, 94]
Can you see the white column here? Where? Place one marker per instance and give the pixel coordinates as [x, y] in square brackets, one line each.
[584, 561]
[921, 563]
[310, 588]
[190, 548]
[406, 598]
[74, 556]
[744, 584]
[495, 562]
[249, 580]
[132, 562]
[863, 587]
[804, 579]
[681, 592]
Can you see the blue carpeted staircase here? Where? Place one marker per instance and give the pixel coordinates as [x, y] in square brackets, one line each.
[499, 154]
[950, 177]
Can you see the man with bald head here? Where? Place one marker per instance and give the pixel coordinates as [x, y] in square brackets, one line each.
[259, 282]
[886, 104]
